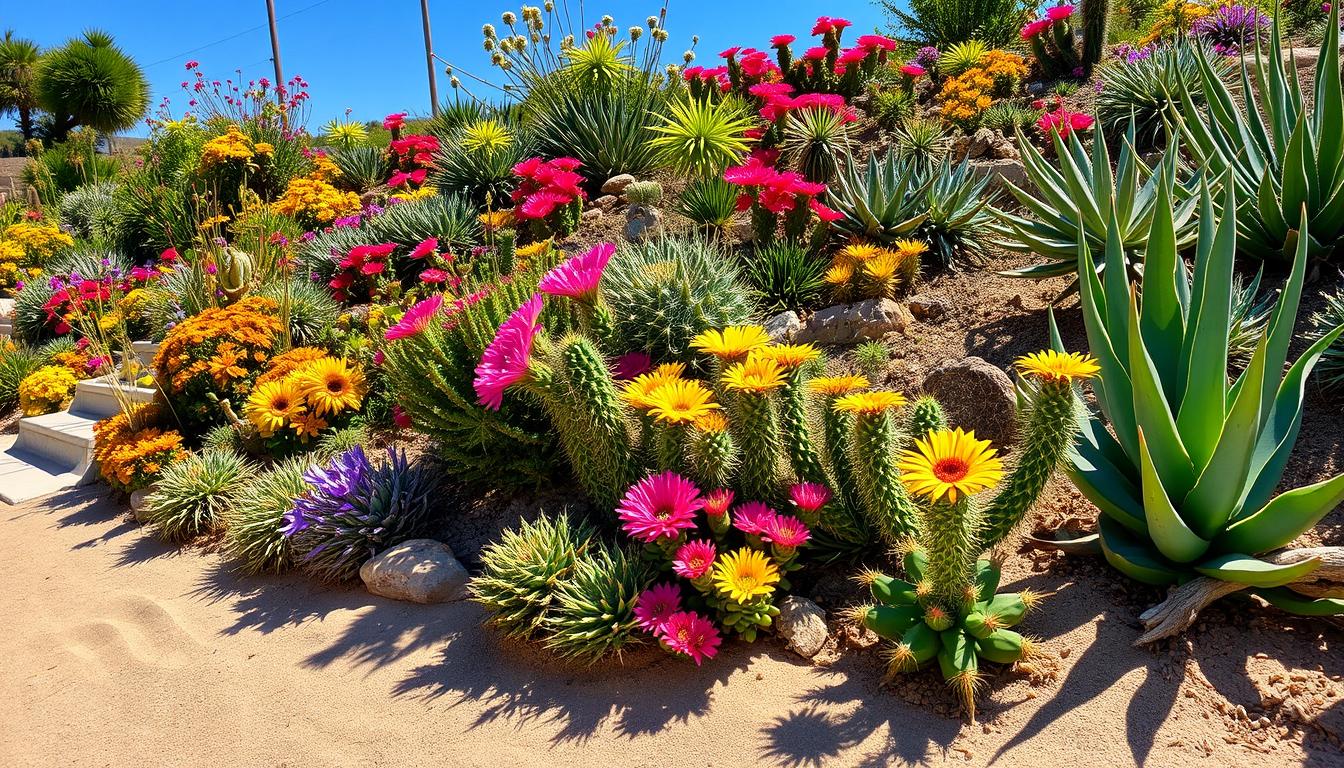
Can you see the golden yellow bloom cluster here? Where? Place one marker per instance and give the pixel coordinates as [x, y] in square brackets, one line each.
[1174, 19]
[49, 388]
[131, 452]
[314, 201]
[300, 393]
[1007, 69]
[866, 271]
[422, 193]
[25, 247]
[232, 146]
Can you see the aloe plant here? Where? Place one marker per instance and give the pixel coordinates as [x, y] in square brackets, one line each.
[1281, 156]
[1079, 196]
[1185, 476]
[883, 199]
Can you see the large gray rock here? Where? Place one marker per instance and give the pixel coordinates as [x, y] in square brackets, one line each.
[418, 571]
[642, 223]
[976, 396]
[616, 184]
[803, 624]
[783, 327]
[853, 323]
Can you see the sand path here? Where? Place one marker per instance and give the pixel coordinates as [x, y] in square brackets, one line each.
[121, 651]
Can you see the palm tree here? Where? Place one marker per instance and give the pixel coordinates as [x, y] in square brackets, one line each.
[90, 81]
[18, 60]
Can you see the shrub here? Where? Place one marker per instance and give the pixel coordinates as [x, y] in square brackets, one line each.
[1007, 117]
[708, 203]
[66, 165]
[665, 292]
[958, 216]
[701, 137]
[91, 212]
[1279, 154]
[254, 520]
[1148, 91]
[356, 508]
[190, 495]
[785, 276]
[1186, 486]
[17, 362]
[1330, 369]
[26, 246]
[47, 389]
[521, 572]
[132, 448]
[883, 199]
[891, 107]
[477, 160]
[311, 310]
[945, 22]
[817, 142]
[872, 357]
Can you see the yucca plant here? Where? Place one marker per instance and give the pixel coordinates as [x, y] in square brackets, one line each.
[477, 162]
[958, 219]
[522, 570]
[592, 611]
[890, 106]
[701, 137]
[254, 520]
[817, 142]
[362, 168]
[1079, 196]
[1330, 370]
[708, 203]
[961, 56]
[785, 276]
[608, 131]
[1186, 473]
[1281, 156]
[883, 199]
[1148, 91]
[190, 496]
[924, 139]
[311, 310]
[451, 219]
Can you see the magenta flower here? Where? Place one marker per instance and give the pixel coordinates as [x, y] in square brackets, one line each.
[692, 634]
[655, 606]
[912, 70]
[809, 497]
[816, 53]
[854, 55]
[394, 121]
[433, 276]
[578, 277]
[504, 362]
[400, 417]
[718, 502]
[728, 52]
[779, 41]
[752, 517]
[660, 506]
[785, 531]
[630, 365]
[416, 319]
[541, 204]
[878, 42]
[1059, 12]
[425, 248]
[694, 559]
[825, 212]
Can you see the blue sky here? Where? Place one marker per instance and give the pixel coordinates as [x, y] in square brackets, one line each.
[369, 56]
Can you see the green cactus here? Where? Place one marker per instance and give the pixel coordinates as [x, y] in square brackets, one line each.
[882, 497]
[948, 537]
[520, 572]
[926, 416]
[756, 429]
[1096, 20]
[797, 437]
[670, 448]
[844, 527]
[506, 251]
[712, 457]
[597, 424]
[592, 613]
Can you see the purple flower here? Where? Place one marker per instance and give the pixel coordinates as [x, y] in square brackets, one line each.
[1230, 28]
[926, 57]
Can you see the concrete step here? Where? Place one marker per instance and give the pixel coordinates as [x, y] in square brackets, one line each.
[62, 438]
[25, 475]
[145, 350]
[99, 398]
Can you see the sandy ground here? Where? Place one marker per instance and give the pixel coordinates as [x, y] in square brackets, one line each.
[122, 651]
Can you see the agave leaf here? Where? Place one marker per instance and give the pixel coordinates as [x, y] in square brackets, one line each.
[1293, 602]
[1205, 356]
[1328, 115]
[1169, 533]
[1284, 317]
[1106, 487]
[1153, 416]
[1268, 205]
[1283, 519]
[1244, 569]
[1133, 557]
[1298, 168]
[1160, 320]
[1116, 397]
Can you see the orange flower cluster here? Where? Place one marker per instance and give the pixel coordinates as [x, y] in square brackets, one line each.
[1007, 69]
[131, 453]
[312, 199]
[219, 352]
[965, 97]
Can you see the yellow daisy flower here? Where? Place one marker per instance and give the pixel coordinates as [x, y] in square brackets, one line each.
[638, 391]
[712, 423]
[950, 463]
[331, 385]
[910, 248]
[681, 402]
[869, 402]
[532, 249]
[756, 374]
[1058, 366]
[274, 404]
[745, 575]
[837, 385]
[732, 343]
[883, 267]
[790, 355]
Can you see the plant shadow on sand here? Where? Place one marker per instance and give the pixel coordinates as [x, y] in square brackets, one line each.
[504, 678]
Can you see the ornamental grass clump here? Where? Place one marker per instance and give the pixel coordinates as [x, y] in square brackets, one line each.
[355, 508]
[1329, 371]
[254, 521]
[1186, 473]
[190, 495]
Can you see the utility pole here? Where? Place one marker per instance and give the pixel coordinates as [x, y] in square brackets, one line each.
[275, 57]
[429, 60]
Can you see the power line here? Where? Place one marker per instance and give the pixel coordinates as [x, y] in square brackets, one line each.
[250, 30]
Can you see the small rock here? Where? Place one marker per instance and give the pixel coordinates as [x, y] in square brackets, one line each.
[742, 231]
[853, 323]
[138, 498]
[616, 184]
[592, 214]
[1035, 88]
[606, 202]
[976, 395]
[642, 223]
[1000, 171]
[783, 326]
[803, 624]
[418, 571]
[927, 308]
[982, 143]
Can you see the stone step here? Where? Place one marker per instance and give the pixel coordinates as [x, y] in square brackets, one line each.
[62, 437]
[25, 475]
[99, 398]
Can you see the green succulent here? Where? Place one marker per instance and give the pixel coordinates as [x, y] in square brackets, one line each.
[1008, 116]
[1186, 473]
[891, 106]
[191, 495]
[923, 139]
[362, 168]
[592, 611]
[958, 218]
[817, 142]
[1330, 370]
[90, 211]
[701, 137]
[254, 518]
[481, 171]
[644, 193]
[610, 130]
[785, 276]
[883, 199]
[15, 364]
[708, 203]
[311, 309]
[872, 358]
[521, 572]
[1148, 91]
[959, 57]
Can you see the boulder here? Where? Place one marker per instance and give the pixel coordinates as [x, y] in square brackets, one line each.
[616, 184]
[976, 396]
[1002, 170]
[606, 202]
[928, 309]
[591, 214]
[742, 231]
[642, 222]
[783, 327]
[417, 571]
[802, 623]
[853, 323]
[138, 498]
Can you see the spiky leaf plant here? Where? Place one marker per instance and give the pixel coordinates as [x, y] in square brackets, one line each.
[1148, 91]
[708, 203]
[362, 168]
[16, 362]
[1079, 195]
[817, 142]
[785, 275]
[883, 199]
[254, 520]
[1330, 370]
[90, 81]
[943, 23]
[608, 130]
[592, 611]
[958, 219]
[925, 140]
[872, 358]
[522, 570]
[1008, 116]
[190, 496]
[91, 212]
[1186, 473]
[891, 106]
[1280, 155]
[477, 161]
[664, 292]
[355, 508]
[961, 56]
[30, 316]
[701, 137]
[311, 309]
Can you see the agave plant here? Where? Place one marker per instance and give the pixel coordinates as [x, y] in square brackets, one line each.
[958, 219]
[817, 142]
[1186, 473]
[1079, 196]
[701, 137]
[608, 131]
[882, 200]
[1281, 156]
[1330, 371]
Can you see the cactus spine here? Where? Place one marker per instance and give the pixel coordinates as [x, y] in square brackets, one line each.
[948, 536]
[926, 416]
[756, 430]
[881, 496]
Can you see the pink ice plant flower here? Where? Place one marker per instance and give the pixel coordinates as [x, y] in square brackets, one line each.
[1059, 12]
[718, 502]
[416, 319]
[694, 559]
[659, 506]
[690, 633]
[426, 247]
[785, 531]
[809, 497]
[579, 277]
[504, 362]
[752, 517]
[655, 606]
[912, 70]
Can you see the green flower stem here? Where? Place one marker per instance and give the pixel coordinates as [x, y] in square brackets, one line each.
[948, 539]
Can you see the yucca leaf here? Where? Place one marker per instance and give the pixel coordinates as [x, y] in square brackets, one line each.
[1283, 519]
[1244, 569]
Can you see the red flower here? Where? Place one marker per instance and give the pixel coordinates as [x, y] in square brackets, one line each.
[169, 255]
[912, 70]
[877, 42]
[744, 202]
[373, 267]
[400, 417]
[528, 167]
[542, 204]
[824, 212]
[816, 53]
[394, 121]
[779, 41]
[854, 55]
[425, 248]
[823, 25]
[729, 52]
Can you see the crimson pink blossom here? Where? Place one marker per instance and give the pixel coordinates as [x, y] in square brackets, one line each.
[691, 634]
[809, 497]
[505, 361]
[425, 248]
[659, 506]
[416, 319]
[779, 41]
[785, 531]
[694, 559]
[655, 605]
[579, 277]
[1059, 12]
[433, 276]
[718, 502]
[752, 517]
